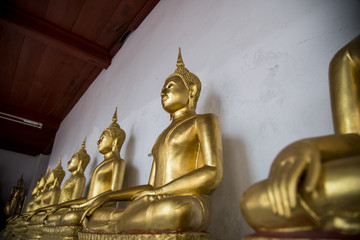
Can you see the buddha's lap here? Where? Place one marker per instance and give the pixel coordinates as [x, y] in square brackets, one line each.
[171, 211]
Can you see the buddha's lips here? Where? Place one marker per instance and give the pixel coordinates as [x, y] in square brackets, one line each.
[164, 98]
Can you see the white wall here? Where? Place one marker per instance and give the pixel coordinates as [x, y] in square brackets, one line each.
[263, 66]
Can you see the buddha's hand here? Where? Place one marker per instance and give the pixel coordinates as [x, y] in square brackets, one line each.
[95, 204]
[297, 159]
[150, 195]
[51, 211]
[30, 216]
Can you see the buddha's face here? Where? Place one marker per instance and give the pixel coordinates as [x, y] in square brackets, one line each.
[35, 191]
[105, 142]
[41, 183]
[50, 179]
[174, 94]
[73, 164]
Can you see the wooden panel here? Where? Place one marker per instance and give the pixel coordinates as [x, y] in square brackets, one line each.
[94, 13]
[29, 61]
[95, 72]
[64, 13]
[54, 36]
[135, 22]
[47, 62]
[66, 84]
[10, 48]
[119, 22]
[34, 7]
[49, 67]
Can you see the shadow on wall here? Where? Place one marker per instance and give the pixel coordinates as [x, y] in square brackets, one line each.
[226, 216]
[131, 177]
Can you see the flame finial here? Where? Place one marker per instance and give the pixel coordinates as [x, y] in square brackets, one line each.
[83, 145]
[180, 62]
[114, 118]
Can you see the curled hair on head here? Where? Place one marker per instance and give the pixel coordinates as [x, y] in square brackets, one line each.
[187, 77]
[83, 156]
[116, 132]
[58, 172]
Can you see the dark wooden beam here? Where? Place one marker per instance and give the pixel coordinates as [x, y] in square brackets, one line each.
[54, 36]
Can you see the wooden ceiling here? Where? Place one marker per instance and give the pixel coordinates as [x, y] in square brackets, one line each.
[50, 53]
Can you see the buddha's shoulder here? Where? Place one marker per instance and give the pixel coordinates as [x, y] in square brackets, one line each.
[206, 118]
[110, 162]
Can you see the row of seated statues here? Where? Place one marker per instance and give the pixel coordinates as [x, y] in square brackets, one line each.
[313, 185]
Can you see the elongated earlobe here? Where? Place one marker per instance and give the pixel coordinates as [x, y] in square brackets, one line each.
[114, 145]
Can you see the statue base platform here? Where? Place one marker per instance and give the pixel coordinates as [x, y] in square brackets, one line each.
[301, 235]
[66, 232]
[146, 236]
[33, 231]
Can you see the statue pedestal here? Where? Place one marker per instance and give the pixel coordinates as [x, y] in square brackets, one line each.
[301, 235]
[69, 232]
[33, 231]
[146, 236]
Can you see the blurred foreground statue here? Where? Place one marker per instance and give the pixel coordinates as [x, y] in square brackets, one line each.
[63, 220]
[314, 184]
[186, 169]
[16, 199]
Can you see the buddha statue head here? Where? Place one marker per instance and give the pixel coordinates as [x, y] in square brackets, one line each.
[42, 182]
[187, 92]
[20, 182]
[35, 191]
[112, 138]
[79, 160]
[56, 175]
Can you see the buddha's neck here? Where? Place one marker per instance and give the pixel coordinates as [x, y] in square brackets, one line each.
[77, 171]
[182, 113]
[111, 155]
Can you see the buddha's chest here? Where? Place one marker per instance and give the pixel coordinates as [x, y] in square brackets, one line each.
[102, 178]
[67, 190]
[176, 152]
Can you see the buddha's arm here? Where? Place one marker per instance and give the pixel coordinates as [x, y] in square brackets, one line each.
[344, 79]
[305, 156]
[67, 204]
[118, 175]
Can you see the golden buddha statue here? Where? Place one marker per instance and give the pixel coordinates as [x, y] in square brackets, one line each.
[16, 199]
[17, 224]
[107, 177]
[34, 222]
[186, 169]
[40, 188]
[73, 187]
[54, 181]
[314, 183]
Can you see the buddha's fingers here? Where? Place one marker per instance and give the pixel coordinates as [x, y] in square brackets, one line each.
[285, 188]
[296, 169]
[275, 188]
[83, 217]
[313, 172]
